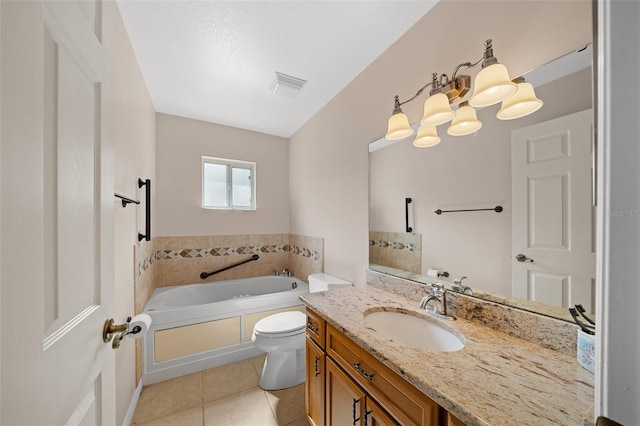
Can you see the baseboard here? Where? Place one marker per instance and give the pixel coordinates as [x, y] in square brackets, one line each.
[132, 406]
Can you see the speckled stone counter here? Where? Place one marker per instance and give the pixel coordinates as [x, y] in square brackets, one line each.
[497, 379]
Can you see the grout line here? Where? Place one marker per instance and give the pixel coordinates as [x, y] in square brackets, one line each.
[202, 398]
[273, 413]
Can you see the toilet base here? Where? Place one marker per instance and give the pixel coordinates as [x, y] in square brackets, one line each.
[283, 370]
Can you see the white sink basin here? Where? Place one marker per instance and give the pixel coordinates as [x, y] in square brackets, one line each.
[413, 331]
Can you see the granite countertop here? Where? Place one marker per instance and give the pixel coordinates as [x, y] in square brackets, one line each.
[497, 379]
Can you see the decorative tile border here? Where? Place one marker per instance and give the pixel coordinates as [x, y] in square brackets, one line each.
[232, 251]
[393, 245]
[146, 263]
[191, 253]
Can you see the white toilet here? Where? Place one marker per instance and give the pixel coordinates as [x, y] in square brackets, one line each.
[282, 337]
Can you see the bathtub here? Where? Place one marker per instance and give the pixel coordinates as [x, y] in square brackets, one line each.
[199, 326]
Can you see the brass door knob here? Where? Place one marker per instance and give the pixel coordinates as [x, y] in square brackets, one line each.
[111, 328]
[522, 258]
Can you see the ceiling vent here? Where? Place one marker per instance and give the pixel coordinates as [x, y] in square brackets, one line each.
[286, 85]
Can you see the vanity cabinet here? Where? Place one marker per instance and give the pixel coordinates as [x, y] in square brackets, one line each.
[315, 370]
[347, 403]
[314, 388]
[358, 389]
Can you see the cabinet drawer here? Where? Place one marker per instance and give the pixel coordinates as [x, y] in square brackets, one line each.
[397, 396]
[315, 328]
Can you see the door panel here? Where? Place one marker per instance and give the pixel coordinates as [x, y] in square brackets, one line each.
[344, 399]
[56, 218]
[552, 213]
[548, 221]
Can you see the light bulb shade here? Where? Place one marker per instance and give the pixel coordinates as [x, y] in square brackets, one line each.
[492, 85]
[523, 102]
[427, 137]
[398, 127]
[465, 122]
[437, 110]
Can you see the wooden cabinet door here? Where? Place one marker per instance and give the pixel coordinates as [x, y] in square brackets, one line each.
[397, 396]
[344, 399]
[376, 416]
[453, 421]
[314, 387]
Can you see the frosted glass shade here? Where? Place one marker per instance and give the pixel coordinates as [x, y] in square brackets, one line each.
[465, 122]
[437, 110]
[522, 103]
[492, 85]
[427, 137]
[398, 127]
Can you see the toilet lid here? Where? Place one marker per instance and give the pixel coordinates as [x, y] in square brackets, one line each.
[283, 322]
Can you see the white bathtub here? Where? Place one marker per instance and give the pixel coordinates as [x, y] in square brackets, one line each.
[200, 326]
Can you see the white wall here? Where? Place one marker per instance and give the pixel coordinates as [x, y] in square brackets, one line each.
[618, 335]
[134, 151]
[464, 173]
[181, 143]
[328, 155]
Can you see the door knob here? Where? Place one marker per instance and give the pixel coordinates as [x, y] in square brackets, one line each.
[110, 330]
[522, 258]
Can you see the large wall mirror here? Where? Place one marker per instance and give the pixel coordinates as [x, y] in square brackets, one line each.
[537, 168]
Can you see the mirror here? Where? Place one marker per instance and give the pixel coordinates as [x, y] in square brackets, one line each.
[475, 172]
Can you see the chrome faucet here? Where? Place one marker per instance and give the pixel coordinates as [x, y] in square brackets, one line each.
[285, 273]
[458, 287]
[439, 295]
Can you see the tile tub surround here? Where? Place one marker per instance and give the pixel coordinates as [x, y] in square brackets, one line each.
[182, 259]
[540, 329]
[396, 250]
[496, 379]
[166, 261]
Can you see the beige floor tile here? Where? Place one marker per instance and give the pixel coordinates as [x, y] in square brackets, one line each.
[190, 417]
[168, 397]
[258, 364]
[287, 404]
[228, 379]
[248, 408]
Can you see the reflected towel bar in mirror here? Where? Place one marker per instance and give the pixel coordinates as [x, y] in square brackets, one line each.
[496, 209]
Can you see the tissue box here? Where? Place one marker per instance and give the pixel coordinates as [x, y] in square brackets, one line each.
[586, 350]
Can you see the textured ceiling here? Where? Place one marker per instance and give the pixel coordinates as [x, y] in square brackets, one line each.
[216, 60]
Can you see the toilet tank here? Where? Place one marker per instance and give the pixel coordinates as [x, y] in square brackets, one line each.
[320, 281]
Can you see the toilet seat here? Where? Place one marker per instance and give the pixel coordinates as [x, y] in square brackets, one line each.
[282, 324]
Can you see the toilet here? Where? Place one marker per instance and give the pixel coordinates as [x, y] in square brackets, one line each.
[282, 337]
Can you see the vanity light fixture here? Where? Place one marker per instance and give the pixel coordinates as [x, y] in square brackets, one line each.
[465, 122]
[522, 103]
[427, 137]
[398, 127]
[492, 85]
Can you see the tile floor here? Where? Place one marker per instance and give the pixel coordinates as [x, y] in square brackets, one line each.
[223, 396]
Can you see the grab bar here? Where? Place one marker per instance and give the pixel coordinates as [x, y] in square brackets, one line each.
[206, 275]
[407, 201]
[147, 209]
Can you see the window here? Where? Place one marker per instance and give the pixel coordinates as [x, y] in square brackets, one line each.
[228, 184]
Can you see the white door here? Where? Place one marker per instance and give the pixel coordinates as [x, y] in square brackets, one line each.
[553, 255]
[56, 213]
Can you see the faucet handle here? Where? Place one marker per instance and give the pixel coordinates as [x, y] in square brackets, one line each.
[437, 289]
[459, 280]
